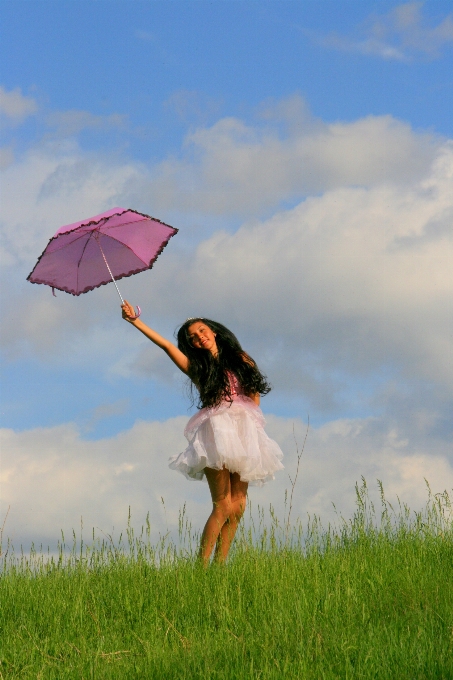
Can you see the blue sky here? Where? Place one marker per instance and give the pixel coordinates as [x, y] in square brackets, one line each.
[303, 150]
[136, 59]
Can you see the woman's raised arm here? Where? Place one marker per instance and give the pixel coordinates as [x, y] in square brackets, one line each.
[173, 352]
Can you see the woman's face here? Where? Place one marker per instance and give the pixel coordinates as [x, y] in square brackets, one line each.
[202, 337]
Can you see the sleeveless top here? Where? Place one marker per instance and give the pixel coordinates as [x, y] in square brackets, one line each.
[235, 386]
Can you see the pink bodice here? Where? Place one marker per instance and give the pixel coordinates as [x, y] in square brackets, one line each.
[235, 386]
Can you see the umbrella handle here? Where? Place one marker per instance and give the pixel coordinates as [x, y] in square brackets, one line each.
[139, 311]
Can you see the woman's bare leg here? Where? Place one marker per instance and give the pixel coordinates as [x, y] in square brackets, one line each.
[220, 488]
[228, 530]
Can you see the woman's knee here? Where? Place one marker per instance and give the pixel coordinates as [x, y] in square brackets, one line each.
[238, 493]
[223, 507]
[238, 506]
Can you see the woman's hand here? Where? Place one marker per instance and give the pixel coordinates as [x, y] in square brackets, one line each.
[128, 312]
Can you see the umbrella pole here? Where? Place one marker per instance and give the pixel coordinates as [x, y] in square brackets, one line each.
[139, 311]
[110, 271]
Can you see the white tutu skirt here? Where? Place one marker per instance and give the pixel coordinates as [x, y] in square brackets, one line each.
[230, 435]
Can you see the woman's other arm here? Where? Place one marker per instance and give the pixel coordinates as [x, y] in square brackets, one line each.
[173, 352]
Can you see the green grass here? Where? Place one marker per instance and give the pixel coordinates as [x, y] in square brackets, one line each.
[371, 598]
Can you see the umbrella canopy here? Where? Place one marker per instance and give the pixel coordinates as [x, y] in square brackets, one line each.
[90, 253]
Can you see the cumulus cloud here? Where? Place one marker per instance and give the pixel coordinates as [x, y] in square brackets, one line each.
[41, 191]
[47, 187]
[354, 282]
[6, 157]
[228, 169]
[350, 288]
[14, 106]
[402, 34]
[232, 168]
[69, 478]
[51, 478]
[351, 281]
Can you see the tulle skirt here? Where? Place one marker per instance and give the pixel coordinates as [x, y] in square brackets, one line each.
[230, 435]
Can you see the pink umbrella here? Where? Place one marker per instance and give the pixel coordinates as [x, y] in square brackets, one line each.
[90, 253]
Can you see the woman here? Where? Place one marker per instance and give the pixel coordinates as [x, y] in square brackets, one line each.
[227, 442]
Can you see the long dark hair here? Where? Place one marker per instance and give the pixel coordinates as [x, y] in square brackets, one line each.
[209, 373]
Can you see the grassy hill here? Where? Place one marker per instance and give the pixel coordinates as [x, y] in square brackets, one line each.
[370, 598]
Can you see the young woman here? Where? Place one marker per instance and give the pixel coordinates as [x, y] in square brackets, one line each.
[227, 442]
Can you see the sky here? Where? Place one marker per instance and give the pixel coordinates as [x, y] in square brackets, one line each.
[304, 150]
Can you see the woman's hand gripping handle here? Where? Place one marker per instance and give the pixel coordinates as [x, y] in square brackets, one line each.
[128, 312]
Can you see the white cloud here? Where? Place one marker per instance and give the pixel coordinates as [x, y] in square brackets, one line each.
[14, 106]
[402, 35]
[351, 282]
[66, 478]
[52, 186]
[48, 187]
[235, 169]
[6, 157]
[51, 478]
[227, 169]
